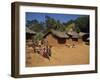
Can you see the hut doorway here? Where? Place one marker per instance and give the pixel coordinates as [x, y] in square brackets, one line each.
[61, 41]
[74, 39]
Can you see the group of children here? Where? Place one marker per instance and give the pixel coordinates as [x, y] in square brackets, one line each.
[43, 48]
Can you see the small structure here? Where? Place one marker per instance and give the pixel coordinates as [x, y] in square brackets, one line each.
[73, 35]
[84, 36]
[88, 39]
[81, 36]
[29, 33]
[55, 37]
[61, 36]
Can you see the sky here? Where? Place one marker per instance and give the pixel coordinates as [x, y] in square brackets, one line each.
[41, 16]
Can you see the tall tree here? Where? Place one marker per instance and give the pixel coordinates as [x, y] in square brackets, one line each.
[83, 23]
[60, 26]
[35, 26]
[50, 22]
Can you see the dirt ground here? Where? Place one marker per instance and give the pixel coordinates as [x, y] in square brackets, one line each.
[61, 55]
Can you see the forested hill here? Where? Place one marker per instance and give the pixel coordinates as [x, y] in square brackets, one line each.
[79, 24]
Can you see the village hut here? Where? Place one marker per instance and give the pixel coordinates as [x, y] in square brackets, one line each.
[88, 39]
[61, 36]
[73, 35]
[81, 36]
[84, 36]
[55, 37]
[29, 34]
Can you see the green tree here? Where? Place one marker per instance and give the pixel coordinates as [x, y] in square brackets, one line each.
[69, 22]
[36, 26]
[50, 22]
[60, 26]
[83, 23]
[38, 37]
[77, 29]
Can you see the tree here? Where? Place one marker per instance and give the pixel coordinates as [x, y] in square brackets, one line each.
[50, 22]
[38, 37]
[54, 24]
[69, 22]
[83, 23]
[35, 25]
[60, 26]
[77, 29]
[28, 23]
[70, 27]
[79, 24]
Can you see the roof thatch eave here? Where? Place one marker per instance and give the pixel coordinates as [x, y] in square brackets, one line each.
[81, 34]
[59, 34]
[29, 31]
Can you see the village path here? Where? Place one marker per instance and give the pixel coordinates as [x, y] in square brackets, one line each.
[61, 55]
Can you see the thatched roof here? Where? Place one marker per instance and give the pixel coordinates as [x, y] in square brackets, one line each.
[59, 34]
[82, 34]
[74, 34]
[88, 39]
[29, 31]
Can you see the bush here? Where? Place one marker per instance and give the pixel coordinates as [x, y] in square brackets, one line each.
[38, 37]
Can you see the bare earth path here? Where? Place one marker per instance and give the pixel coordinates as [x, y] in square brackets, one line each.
[61, 55]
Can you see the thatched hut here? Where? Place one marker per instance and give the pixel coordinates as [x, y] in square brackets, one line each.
[61, 36]
[29, 33]
[73, 35]
[87, 42]
[84, 36]
[88, 39]
[56, 37]
[81, 36]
